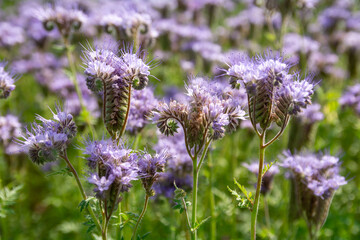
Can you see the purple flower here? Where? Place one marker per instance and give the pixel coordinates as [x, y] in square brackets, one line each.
[114, 165]
[274, 92]
[7, 81]
[102, 184]
[150, 168]
[311, 114]
[296, 44]
[142, 103]
[319, 172]
[10, 130]
[10, 34]
[47, 139]
[178, 167]
[351, 98]
[66, 18]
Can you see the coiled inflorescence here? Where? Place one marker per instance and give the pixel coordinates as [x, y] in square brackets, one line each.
[65, 18]
[48, 139]
[207, 114]
[6, 81]
[113, 75]
[112, 168]
[274, 92]
[316, 179]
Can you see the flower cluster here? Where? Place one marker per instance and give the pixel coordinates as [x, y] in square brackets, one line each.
[113, 77]
[112, 167]
[66, 18]
[150, 169]
[316, 179]
[10, 129]
[274, 92]
[207, 113]
[47, 140]
[351, 98]
[267, 178]
[7, 81]
[10, 34]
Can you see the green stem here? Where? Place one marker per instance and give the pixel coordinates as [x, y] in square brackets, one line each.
[194, 199]
[255, 209]
[81, 188]
[140, 217]
[212, 199]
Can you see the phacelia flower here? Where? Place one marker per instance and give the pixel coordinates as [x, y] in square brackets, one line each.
[10, 129]
[351, 98]
[274, 92]
[65, 18]
[150, 168]
[113, 77]
[178, 167]
[10, 34]
[47, 140]
[112, 168]
[7, 81]
[142, 103]
[316, 179]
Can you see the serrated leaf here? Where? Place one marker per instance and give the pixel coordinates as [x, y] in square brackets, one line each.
[201, 223]
[267, 167]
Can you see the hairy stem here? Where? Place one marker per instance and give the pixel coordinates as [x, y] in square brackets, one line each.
[126, 116]
[255, 209]
[140, 217]
[212, 199]
[81, 188]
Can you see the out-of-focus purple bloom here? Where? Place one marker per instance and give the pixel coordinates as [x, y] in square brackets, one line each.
[7, 81]
[10, 34]
[208, 50]
[332, 15]
[178, 167]
[253, 15]
[322, 62]
[351, 98]
[267, 178]
[320, 172]
[311, 114]
[66, 18]
[296, 44]
[350, 41]
[10, 130]
[142, 102]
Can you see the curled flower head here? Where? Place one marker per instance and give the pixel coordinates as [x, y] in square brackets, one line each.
[66, 18]
[208, 112]
[113, 76]
[273, 91]
[150, 168]
[7, 81]
[46, 140]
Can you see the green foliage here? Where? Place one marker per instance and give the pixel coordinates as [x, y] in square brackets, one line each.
[63, 172]
[267, 167]
[243, 202]
[8, 198]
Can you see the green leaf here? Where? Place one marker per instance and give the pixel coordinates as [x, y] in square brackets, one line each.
[201, 223]
[8, 197]
[85, 203]
[243, 202]
[64, 172]
[267, 167]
